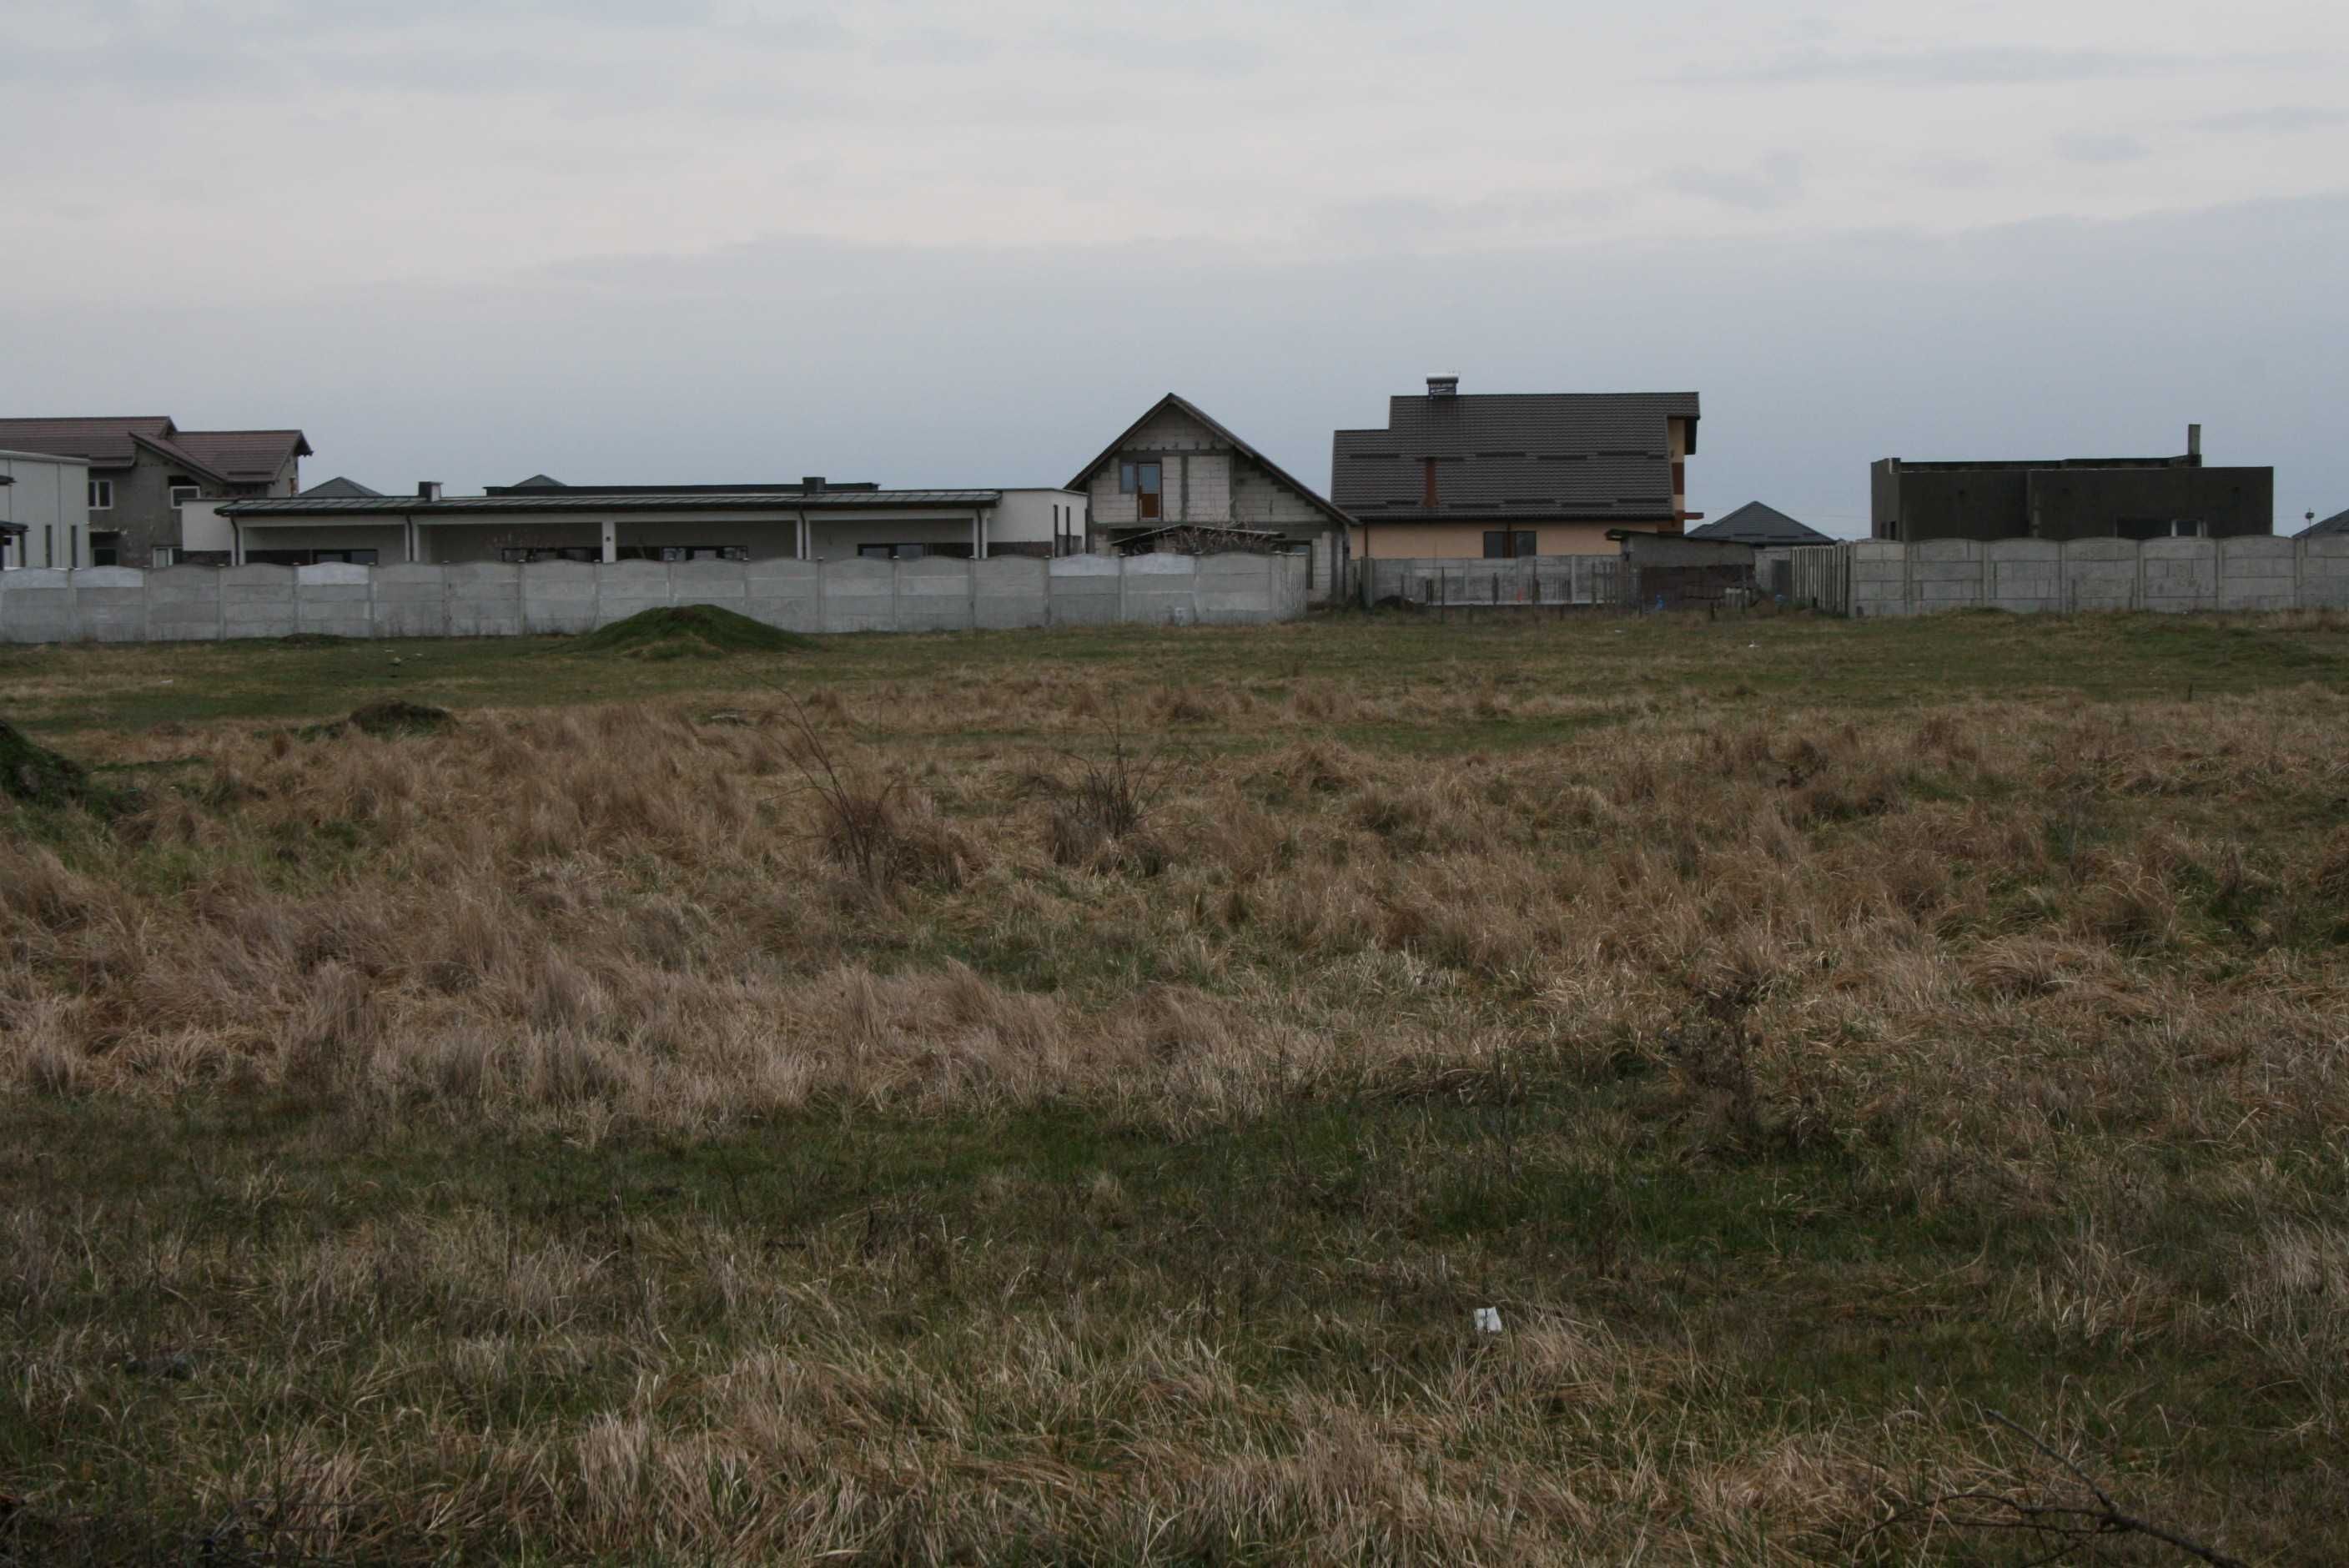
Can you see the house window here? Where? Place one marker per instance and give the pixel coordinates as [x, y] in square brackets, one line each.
[1506, 544]
[183, 494]
[345, 557]
[101, 495]
[107, 554]
[1143, 482]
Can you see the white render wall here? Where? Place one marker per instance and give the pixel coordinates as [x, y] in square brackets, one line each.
[1883, 577]
[51, 498]
[203, 604]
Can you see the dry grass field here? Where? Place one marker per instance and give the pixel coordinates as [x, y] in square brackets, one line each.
[570, 1137]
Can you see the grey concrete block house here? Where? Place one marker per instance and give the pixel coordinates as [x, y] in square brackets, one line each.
[144, 468]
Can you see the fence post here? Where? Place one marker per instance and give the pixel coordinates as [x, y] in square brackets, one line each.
[73, 600]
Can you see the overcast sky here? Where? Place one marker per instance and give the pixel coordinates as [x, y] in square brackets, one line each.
[630, 241]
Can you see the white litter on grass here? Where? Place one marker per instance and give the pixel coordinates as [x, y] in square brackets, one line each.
[1488, 1320]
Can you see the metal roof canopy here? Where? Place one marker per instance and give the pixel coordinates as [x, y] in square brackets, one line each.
[504, 505]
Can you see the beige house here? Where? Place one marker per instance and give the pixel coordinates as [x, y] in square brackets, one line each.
[1502, 475]
[1178, 474]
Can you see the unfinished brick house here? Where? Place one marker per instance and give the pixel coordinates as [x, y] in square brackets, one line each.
[1177, 476]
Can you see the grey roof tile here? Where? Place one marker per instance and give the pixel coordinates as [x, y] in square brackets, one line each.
[1543, 454]
[1755, 523]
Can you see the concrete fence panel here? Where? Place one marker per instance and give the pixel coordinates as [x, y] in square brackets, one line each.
[334, 600]
[627, 588]
[2023, 576]
[2258, 574]
[1161, 590]
[1238, 589]
[1879, 579]
[2323, 572]
[1086, 590]
[39, 605]
[1948, 573]
[1009, 591]
[724, 583]
[2100, 575]
[110, 604]
[184, 604]
[257, 602]
[860, 597]
[411, 601]
[484, 599]
[934, 594]
[782, 594]
[559, 596]
[2178, 574]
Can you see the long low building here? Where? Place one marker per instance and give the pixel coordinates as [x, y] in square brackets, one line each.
[544, 520]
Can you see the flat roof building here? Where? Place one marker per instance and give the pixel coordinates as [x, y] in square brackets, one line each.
[2070, 498]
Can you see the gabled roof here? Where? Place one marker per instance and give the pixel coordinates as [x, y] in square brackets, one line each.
[1221, 433]
[106, 442]
[2335, 525]
[114, 441]
[247, 457]
[1755, 523]
[340, 488]
[1597, 455]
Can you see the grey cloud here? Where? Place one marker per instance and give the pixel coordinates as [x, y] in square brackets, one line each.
[2101, 147]
[1966, 67]
[2282, 118]
[1763, 186]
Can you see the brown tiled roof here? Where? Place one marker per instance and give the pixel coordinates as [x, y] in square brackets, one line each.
[105, 442]
[246, 455]
[112, 442]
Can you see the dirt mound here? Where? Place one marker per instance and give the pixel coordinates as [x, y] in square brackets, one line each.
[36, 776]
[689, 632]
[393, 717]
[390, 717]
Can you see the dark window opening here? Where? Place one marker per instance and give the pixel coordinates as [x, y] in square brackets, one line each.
[311, 557]
[2145, 528]
[1509, 544]
[913, 551]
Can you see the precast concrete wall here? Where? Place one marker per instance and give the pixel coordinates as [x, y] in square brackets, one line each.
[1881, 577]
[1593, 580]
[494, 599]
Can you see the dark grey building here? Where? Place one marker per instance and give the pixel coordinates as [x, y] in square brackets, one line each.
[2071, 498]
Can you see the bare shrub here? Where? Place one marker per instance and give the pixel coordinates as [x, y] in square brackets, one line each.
[1100, 821]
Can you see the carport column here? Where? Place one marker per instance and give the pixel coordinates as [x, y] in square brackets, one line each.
[977, 537]
[610, 541]
[802, 536]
